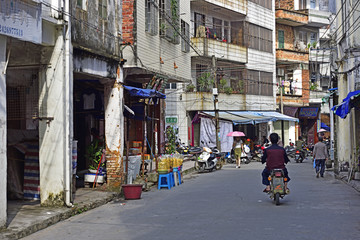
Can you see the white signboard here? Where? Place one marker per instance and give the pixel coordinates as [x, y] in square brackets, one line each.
[21, 19]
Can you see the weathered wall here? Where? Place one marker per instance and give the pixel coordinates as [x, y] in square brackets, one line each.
[289, 36]
[93, 33]
[3, 140]
[53, 135]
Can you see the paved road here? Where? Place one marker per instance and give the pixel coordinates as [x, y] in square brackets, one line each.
[226, 204]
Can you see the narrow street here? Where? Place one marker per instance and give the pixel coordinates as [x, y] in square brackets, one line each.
[226, 204]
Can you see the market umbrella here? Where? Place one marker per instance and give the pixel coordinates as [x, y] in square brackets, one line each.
[322, 130]
[235, 134]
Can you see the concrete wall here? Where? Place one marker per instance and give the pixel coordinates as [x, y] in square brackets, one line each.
[3, 140]
[54, 135]
[151, 48]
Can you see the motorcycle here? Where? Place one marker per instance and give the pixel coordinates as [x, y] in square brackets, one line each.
[277, 185]
[290, 151]
[299, 156]
[209, 159]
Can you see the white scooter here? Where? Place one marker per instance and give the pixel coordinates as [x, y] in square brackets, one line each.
[207, 160]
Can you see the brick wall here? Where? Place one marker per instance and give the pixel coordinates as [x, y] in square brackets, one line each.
[128, 21]
[288, 35]
[114, 168]
[306, 87]
[285, 4]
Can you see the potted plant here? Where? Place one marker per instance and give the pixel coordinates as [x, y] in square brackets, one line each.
[94, 153]
[190, 87]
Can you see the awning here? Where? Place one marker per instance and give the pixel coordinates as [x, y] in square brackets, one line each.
[343, 109]
[144, 93]
[251, 117]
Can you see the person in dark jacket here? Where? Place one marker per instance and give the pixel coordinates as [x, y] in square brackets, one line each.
[275, 158]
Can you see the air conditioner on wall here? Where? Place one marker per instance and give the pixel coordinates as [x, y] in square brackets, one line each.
[280, 72]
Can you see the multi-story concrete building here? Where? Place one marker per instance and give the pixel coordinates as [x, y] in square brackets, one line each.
[298, 25]
[157, 52]
[53, 53]
[345, 67]
[232, 45]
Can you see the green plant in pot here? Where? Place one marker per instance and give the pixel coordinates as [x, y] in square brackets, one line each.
[93, 153]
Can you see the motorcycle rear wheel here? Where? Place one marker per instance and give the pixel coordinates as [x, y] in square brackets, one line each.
[219, 165]
[277, 199]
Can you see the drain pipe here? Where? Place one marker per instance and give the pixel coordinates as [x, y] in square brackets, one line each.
[68, 102]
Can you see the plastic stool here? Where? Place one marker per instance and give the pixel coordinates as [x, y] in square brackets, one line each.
[176, 176]
[172, 182]
[167, 178]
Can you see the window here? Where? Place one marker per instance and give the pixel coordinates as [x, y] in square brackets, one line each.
[303, 37]
[302, 4]
[313, 38]
[185, 32]
[226, 31]
[260, 38]
[264, 3]
[217, 28]
[102, 8]
[259, 83]
[170, 86]
[312, 4]
[169, 20]
[199, 25]
[281, 39]
[151, 17]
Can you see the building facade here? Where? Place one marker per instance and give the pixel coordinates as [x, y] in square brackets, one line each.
[299, 65]
[232, 49]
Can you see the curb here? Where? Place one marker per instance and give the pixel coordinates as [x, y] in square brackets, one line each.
[78, 209]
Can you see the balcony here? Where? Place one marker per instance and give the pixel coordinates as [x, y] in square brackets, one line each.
[291, 18]
[319, 55]
[287, 56]
[317, 18]
[225, 7]
[223, 50]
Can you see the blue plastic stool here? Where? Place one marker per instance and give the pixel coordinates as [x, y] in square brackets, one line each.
[167, 180]
[172, 181]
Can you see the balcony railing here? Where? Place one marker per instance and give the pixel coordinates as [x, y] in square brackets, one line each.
[221, 49]
[227, 7]
[319, 55]
[291, 18]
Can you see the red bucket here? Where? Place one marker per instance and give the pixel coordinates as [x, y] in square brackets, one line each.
[132, 191]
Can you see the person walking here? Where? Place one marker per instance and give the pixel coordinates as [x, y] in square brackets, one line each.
[238, 147]
[320, 155]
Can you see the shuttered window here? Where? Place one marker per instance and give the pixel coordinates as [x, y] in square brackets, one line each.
[281, 39]
[151, 15]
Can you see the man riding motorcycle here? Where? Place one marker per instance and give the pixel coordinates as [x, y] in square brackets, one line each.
[275, 158]
[299, 145]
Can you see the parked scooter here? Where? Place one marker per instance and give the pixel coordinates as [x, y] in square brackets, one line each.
[290, 151]
[207, 160]
[277, 185]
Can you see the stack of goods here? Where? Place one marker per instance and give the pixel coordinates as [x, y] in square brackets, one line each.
[136, 148]
[169, 162]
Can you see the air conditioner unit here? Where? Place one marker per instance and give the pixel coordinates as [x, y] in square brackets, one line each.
[280, 72]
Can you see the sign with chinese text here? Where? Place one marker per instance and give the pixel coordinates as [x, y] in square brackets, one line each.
[171, 120]
[21, 19]
[308, 112]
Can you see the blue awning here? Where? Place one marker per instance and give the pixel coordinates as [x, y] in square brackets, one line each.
[343, 109]
[251, 117]
[144, 93]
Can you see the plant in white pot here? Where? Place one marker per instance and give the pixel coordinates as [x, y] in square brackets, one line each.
[96, 156]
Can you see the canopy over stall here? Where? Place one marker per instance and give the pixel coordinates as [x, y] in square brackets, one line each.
[343, 109]
[251, 117]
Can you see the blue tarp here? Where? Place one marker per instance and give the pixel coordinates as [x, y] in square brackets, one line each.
[144, 93]
[343, 109]
[324, 126]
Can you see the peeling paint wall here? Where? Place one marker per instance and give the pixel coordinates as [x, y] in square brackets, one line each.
[92, 32]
